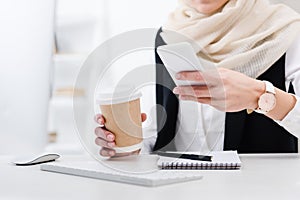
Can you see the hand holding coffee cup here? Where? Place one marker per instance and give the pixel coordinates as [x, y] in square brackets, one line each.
[121, 115]
[106, 139]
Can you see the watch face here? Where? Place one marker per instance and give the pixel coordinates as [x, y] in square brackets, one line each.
[267, 102]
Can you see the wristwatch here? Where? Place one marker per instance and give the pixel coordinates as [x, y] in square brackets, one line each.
[267, 101]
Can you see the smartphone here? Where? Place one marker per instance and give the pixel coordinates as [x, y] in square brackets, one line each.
[180, 57]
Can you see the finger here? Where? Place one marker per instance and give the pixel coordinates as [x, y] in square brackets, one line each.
[122, 154]
[99, 119]
[112, 153]
[104, 134]
[195, 90]
[204, 100]
[107, 152]
[188, 98]
[144, 117]
[191, 76]
[103, 143]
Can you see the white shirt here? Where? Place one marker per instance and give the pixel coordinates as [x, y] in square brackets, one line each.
[201, 127]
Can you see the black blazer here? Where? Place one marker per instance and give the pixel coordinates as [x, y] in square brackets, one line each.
[254, 133]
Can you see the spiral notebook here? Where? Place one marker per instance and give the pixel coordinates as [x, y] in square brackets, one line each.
[221, 160]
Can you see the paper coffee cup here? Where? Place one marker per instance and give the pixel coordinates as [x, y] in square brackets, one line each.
[121, 110]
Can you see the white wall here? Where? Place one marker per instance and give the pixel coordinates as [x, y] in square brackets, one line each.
[107, 18]
[132, 14]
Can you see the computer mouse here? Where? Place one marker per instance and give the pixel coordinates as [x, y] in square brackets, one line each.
[35, 159]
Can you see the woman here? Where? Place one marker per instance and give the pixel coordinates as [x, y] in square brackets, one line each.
[254, 46]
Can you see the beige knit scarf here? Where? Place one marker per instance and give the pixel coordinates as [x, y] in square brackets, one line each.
[246, 35]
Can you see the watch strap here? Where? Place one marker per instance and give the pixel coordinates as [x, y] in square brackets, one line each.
[269, 87]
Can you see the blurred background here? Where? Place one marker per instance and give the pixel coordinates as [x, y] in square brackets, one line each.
[42, 47]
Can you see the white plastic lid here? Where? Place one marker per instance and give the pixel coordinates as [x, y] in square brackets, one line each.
[117, 95]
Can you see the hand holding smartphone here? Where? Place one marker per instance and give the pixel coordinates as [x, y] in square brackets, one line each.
[180, 57]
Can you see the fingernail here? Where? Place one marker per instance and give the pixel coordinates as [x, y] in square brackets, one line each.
[110, 137]
[176, 90]
[111, 153]
[178, 76]
[100, 121]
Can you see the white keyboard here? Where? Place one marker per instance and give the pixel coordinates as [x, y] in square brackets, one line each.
[93, 169]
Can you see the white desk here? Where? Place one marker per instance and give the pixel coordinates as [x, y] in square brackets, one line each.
[261, 177]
